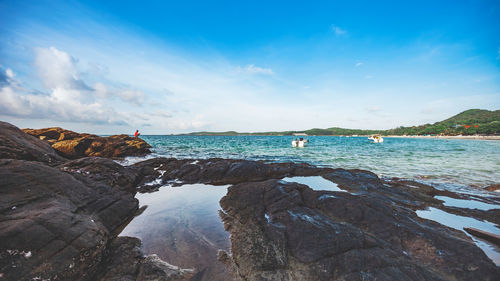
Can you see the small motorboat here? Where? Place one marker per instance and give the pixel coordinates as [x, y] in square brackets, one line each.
[376, 138]
[300, 140]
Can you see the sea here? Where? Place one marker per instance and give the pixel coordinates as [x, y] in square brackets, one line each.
[456, 164]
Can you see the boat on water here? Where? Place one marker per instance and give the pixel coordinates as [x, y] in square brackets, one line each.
[300, 140]
[376, 138]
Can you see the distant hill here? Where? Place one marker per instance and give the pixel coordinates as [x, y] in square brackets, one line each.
[469, 122]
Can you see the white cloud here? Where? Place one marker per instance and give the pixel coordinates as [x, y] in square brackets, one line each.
[163, 114]
[10, 73]
[195, 123]
[127, 95]
[338, 31]
[69, 98]
[252, 69]
[101, 90]
[33, 106]
[133, 96]
[358, 64]
[57, 69]
[373, 109]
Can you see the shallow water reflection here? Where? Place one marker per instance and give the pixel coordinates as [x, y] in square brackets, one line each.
[470, 204]
[459, 222]
[182, 226]
[316, 183]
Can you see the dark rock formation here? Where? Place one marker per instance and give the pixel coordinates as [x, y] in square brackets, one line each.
[218, 171]
[106, 171]
[408, 193]
[60, 222]
[75, 145]
[493, 238]
[287, 231]
[124, 261]
[14, 144]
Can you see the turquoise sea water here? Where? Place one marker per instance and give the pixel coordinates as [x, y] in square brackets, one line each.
[456, 163]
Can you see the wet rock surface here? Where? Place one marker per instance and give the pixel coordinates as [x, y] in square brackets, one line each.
[75, 145]
[216, 171]
[287, 231]
[124, 260]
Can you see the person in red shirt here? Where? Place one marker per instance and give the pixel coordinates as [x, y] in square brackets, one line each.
[137, 133]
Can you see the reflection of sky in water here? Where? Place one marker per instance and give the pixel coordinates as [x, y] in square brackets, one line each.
[315, 182]
[459, 222]
[196, 204]
[471, 204]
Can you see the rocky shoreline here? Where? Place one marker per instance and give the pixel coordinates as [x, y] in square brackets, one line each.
[62, 211]
[74, 145]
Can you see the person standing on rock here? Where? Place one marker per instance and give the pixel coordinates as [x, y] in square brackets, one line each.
[137, 134]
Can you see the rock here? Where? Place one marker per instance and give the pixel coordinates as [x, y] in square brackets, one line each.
[124, 261]
[53, 225]
[493, 187]
[104, 170]
[287, 231]
[75, 145]
[219, 171]
[14, 144]
[493, 238]
[155, 269]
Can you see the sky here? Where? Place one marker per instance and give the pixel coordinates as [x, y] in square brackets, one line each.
[167, 67]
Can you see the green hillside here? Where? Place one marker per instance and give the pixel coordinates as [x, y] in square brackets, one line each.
[469, 122]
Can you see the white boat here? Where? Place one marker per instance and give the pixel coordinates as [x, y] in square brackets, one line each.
[376, 138]
[300, 140]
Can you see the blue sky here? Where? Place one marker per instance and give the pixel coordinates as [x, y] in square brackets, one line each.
[168, 67]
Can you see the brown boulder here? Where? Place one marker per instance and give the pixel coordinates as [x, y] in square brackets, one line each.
[75, 145]
[493, 187]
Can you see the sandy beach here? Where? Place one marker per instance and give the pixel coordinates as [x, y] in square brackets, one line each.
[449, 137]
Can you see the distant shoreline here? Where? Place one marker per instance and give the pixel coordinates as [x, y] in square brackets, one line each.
[449, 137]
[389, 136]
